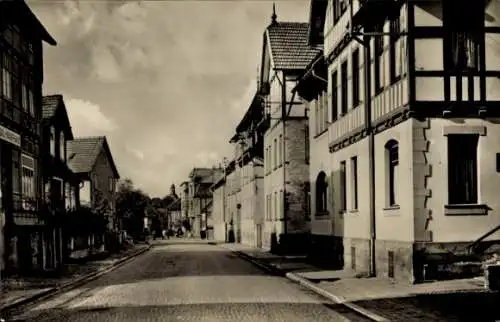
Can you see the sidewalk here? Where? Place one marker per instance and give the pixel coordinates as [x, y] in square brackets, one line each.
[382, 299]
[17, 292]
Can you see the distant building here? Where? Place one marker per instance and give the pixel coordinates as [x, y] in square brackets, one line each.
[286, 54]
[197, 197]
[91, 160]
[61, 185]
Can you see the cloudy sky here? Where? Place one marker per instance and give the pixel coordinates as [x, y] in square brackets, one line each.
[165, 81]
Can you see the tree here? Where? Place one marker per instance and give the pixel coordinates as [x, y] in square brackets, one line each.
[131, 205]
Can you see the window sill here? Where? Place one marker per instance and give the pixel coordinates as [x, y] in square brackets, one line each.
[322, 214]
[320, 133]
[392, 211]
[466, 210]
[354, 211]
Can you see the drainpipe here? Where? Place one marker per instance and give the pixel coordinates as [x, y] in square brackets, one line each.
[371, 153]
[284, 116]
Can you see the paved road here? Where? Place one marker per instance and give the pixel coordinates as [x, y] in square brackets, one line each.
[188, 282]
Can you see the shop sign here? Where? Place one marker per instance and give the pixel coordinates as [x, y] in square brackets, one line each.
[10, 136]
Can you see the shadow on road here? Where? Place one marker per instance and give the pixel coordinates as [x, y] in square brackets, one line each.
[197, 312]
[481, 306]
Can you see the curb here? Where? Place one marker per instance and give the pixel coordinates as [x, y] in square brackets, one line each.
[310, 286]
[71, 284]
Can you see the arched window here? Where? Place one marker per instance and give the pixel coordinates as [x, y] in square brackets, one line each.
[321, 193]
[392, 159]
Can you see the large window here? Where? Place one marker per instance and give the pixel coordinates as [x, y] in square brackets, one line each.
[392, 157]
[462, 169]
[321, 194]
[321, 110]
[28, 182]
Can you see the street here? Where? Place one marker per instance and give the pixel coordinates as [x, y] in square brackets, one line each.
[179, 281]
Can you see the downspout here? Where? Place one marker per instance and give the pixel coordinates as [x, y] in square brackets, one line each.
[284, 115]
[371, 153]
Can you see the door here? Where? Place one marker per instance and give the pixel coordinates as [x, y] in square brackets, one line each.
[258, 235]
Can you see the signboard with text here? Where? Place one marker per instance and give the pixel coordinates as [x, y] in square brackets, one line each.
[10, 136]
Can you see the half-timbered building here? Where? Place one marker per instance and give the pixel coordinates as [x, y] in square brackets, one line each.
[413, 95]
[285, 55]
[21, 78]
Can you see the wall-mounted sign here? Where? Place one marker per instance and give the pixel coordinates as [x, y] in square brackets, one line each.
[10, 136]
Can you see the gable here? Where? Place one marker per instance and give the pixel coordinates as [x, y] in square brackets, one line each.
[288, 43]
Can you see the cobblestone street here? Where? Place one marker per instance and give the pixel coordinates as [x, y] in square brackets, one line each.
[188, 282]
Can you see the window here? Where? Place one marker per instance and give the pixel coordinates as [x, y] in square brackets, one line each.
[377, 60]
[56, 192]
[16, 172]
[462, 169]
[282, 204]
[395, 29]
[275, 154]
[354, 182]
[16, 83]
[465, 51]
[62, 146]
[464, 38]
[275, 215]
[335, 99]
[280, 150]
[355, 78]
[28, 182]
[111, 184]
[25, 99]
[69, 196]
[266, 159]
[392, 157]
[339, 8]
[321, 109]
[6, 78]
[306, 141]
[268, 208]
[321, 194]
[52, 139]
[344, 91]
[343, 186]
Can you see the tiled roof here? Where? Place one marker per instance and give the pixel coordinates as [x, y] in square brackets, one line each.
[83, 152]
[289, 45]
[49, 105]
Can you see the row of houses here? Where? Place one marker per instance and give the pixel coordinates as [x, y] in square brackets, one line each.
[45, 171]
[372, 139]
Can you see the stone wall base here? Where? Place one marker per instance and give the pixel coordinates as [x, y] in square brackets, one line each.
[294, 243]
[327, 251]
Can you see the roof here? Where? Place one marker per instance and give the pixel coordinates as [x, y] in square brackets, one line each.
[289, 46]
[51, 106]
[207, 175]
[83, 153]
[27, 17]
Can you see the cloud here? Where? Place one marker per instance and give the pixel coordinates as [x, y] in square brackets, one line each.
[165, 81]
[87, 118]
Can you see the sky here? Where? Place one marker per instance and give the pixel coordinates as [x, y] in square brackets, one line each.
[165, 81]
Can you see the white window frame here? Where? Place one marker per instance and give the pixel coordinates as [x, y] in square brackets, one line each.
[52, 140]
[28, 188]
